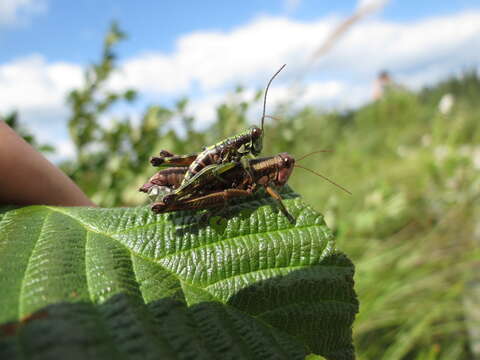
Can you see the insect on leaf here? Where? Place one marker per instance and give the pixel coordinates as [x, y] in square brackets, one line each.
[107, 283]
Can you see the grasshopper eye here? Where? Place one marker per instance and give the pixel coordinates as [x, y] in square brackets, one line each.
[287, 160]
[256, 132]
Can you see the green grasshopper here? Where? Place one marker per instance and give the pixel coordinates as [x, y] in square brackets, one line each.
[232, 149]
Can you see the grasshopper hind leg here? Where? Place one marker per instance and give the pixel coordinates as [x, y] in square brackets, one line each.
[280, 203]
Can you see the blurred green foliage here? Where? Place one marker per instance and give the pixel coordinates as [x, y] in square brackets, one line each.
[413, 169]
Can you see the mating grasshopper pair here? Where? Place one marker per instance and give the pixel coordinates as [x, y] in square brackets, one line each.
[218, 173]
[214, 185]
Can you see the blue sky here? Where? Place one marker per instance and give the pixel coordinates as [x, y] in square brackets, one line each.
[202, 49]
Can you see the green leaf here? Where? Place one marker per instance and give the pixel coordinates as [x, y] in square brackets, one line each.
[105, 283]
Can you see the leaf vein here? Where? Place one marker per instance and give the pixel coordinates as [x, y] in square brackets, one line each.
[22, 284]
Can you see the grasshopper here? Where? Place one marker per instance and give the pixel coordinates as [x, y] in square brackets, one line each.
[232, 149]
[214, 185]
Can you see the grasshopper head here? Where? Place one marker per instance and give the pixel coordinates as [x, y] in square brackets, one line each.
[256, 135]
[285, 168]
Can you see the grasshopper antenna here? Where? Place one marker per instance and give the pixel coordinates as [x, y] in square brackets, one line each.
[266, 92]
[325, 178]
[313, 152]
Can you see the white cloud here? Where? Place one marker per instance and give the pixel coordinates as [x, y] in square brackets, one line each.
[213, 59]
[37, 89]
[13, 12]
[374, 4]
[450, 40]
[33, 83]
[326, 91]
